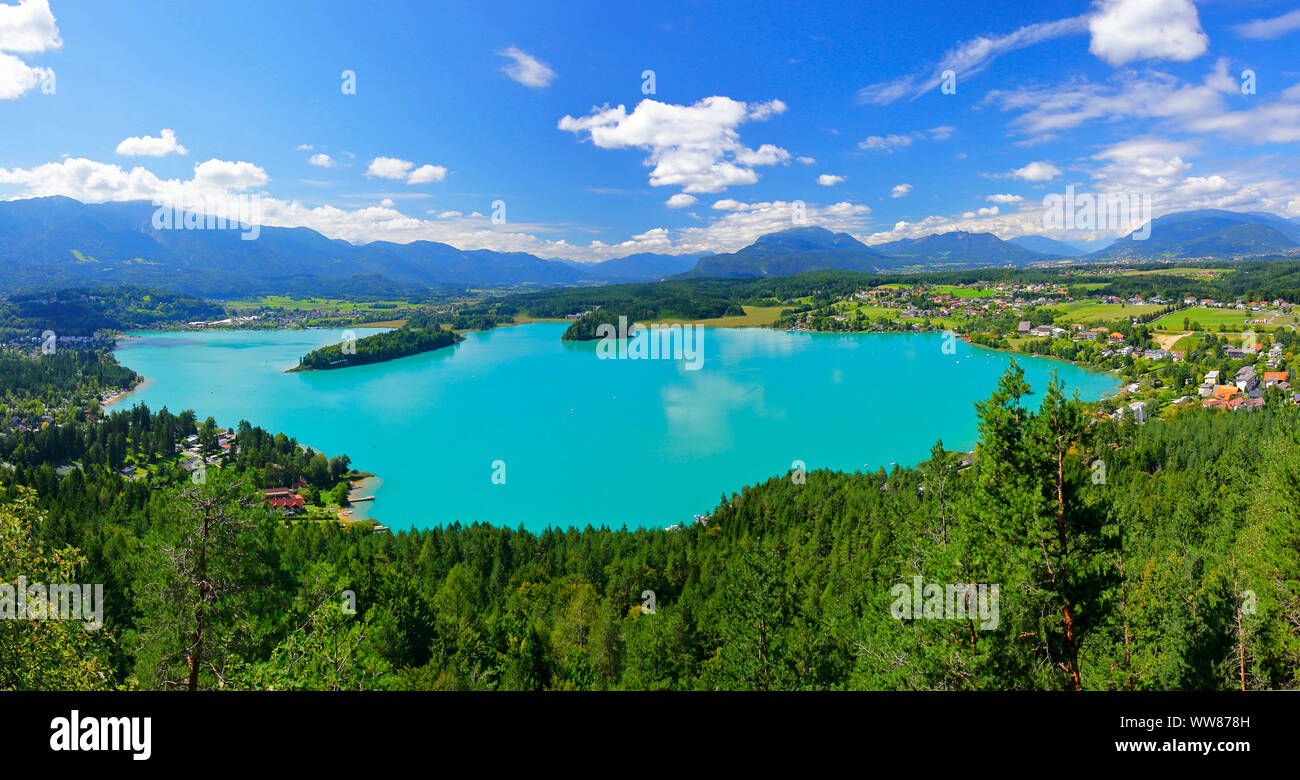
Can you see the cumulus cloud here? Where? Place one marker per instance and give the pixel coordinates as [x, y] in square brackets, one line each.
[389, 168]
[149, 146]
[900, 190]
[805, 160]
[680, 200]
[695, 147]
[405, 170]
[829, 180]
[526, 69]
[237, 176]
[1128, 30]
[1034, 171]
[1003, 198]
[26, 28]
[322, 160]
[427, 173]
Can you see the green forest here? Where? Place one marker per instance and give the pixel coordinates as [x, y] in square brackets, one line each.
[84, 311]
[389, 345]
[1160, 556]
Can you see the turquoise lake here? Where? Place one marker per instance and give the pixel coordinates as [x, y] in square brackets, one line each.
[585, 440]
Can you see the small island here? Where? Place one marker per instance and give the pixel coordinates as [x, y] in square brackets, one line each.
[416, 336]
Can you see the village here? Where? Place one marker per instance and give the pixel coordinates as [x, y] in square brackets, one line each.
[1167, 352]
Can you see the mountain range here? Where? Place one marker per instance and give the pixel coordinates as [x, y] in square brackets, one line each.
[1206, 233]
[60, 242]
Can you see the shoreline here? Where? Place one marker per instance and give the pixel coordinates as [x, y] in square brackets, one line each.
[1119, 381]
[118, 397]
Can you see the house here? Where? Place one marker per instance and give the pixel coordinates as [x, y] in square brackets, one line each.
[192, 464]
[1116, 336]
[128, 471]
[1139, 410]
[1212, 377]
[1043, 330]
[1224, 392]
[284, 499]
[1274, 377]
[1246, 379]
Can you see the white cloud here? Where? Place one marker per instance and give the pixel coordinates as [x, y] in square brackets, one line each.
[322, 160]
[694, 147]
[25, 28]
[28, 27]
[389, 168]
[527, 69]
[1180, 107]
[148, 146]
[237, 176]
[900, 190]
[448, 214]
[16, 77]
[680, 200]
[885, 143]
[1034, 171]
[1268, 29]
[1003, 198]
[305, 147]
[405, 170]
[829, 180]
[1128, 30]
[967, 59]
[427, 173]
[805, 160]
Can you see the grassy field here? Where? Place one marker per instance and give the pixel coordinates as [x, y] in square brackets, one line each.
[755, 316]
[1095, 313]
[1208, 318]
[1208, 273]
[964, 292]
[871, 312]
[333, 305]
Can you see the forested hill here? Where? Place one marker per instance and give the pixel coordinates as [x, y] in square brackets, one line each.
[389, 345]
[82, 311]
[1160, 556]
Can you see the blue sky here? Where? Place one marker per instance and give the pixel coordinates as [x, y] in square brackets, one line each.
[756, 106]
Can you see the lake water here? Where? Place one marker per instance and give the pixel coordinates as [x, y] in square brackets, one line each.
[578, 439]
